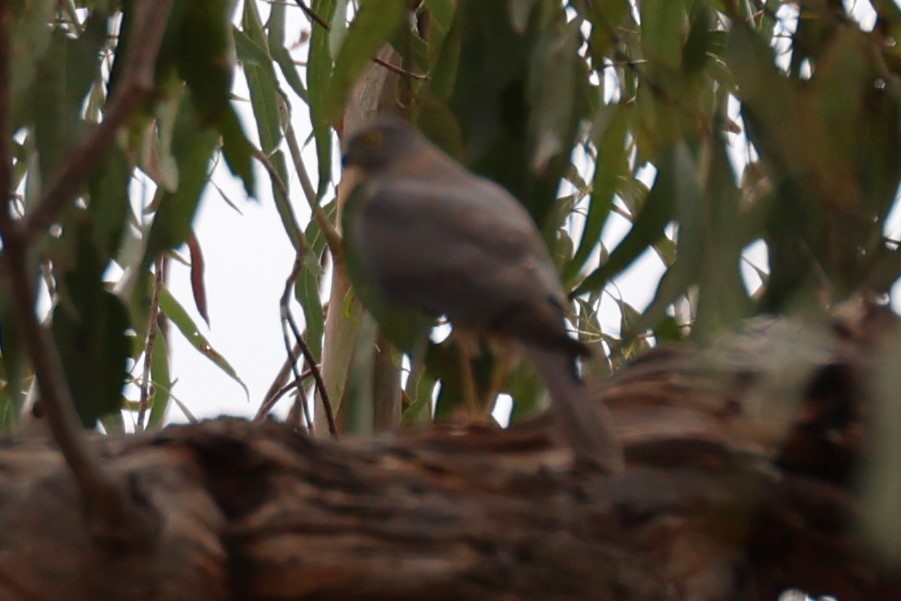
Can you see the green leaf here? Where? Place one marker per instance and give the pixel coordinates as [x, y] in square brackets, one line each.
[555, 70]
[306, 289]
[337, 29]
[607, 19]
[441, 19]
[319, 71]
[662, 22]
[162, 381]
[657, 212]
[89, 329]
[237, 150]
[250, 52]
[527, 391]
[420, 389]
[113, 423]
[372, 26]
[108, 187]
[677, 179]
[64, 77]
[261, 82]
[30, 38]
[13, 363]
[610, 167]
[177, 314]
[283, 204]
[445, 56]
[192, 149]
[278, 50]
[205, 57]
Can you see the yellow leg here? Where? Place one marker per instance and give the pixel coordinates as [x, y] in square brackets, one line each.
[502, 362]
[467, 346]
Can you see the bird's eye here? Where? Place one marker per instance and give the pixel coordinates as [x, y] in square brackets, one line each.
[372, 140]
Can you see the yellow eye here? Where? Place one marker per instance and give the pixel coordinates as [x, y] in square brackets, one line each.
[372, 140]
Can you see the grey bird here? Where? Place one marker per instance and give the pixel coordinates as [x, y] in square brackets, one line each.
[435, 238]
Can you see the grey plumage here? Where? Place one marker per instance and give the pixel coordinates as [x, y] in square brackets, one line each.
[438, 239]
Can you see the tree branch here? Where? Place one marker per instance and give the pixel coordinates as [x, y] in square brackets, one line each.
[111, 506]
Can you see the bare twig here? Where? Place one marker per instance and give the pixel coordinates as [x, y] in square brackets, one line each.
[146, 384]
[394, 68]
[291, 360]
[300, 244]
[278, 383]
[400, 71]
[312, 15]
[331, 235]
[288, 319]
[273, 398]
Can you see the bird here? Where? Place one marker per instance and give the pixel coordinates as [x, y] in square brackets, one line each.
[437, 239]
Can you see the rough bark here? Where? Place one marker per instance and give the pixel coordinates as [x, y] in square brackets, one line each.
[716, 501]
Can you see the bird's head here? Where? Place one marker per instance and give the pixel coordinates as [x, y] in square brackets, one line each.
[380, 144]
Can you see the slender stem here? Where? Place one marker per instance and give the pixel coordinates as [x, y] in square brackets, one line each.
[146, 384]
[321, 22]
[331, 235]
[305, 350]
[300, 243]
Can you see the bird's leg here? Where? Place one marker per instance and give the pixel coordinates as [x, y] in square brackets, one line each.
[501, 352]
[467, 345]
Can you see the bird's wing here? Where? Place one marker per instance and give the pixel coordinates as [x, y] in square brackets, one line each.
[464, 248]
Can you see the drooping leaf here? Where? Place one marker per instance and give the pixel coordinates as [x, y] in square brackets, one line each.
[662, 23]
[657, 212]
[198, 285]
[180, 318]
[205, 57]
[108, 188]
[162, 381]
[237, 150]
[192, 149]
[261, 82]
[307, 287]
[610, 166]
[89, 330]
[319, 72]
[64, 77]
[279, 52]
[30, 38]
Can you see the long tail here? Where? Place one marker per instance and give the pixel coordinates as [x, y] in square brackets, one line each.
[585, 424]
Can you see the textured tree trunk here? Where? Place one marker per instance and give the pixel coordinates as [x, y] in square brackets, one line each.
[716, 502]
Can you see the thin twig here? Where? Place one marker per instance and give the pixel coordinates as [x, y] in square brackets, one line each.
[331, 235]
[146, 384]
[288, 319]
[271, 400]
[400, 70]
[394, 68]
[312, 15]
[292, 360]
[300, 244]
